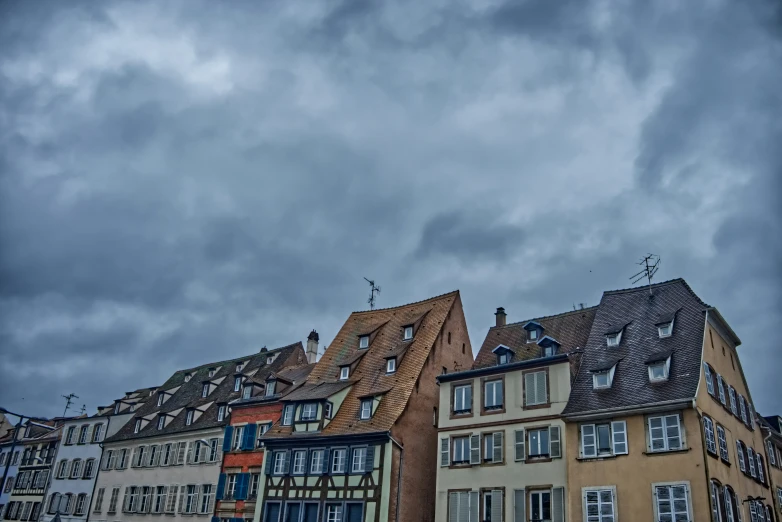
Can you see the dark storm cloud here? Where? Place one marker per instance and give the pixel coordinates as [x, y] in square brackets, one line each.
[182, 183]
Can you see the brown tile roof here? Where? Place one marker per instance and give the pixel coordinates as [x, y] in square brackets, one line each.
[313, 392]
[370, 370]
[570, 330]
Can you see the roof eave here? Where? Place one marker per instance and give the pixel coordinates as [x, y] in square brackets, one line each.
[502, 368]
[724, 324]
[673, 404]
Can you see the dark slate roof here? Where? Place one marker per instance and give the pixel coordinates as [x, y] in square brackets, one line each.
[570, 330]
[189, 393]
[666, 318]
[775, 421]
[639, 312]
[659, 355]
[604, 364]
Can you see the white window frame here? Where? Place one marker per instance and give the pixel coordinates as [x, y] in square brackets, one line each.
[664, 426]
[613, 340]
[407, 333]
[532, 379]
[532, 334]
[495, 384]
[542, 452]
[205, 390]
[189, 417]
[137, 426]
[221, 412]
[609, 375]
[391, 365]
[237, 383]
[741, 456]
[665, 330]
[309, 411]
[270, 388]
[709, 379]
[357, 460]
[504, 358]
[238, 435]
[664, 365]
[366, 409]
[751, 462]
[711, 435]
[344, 373]
[287, 414]
[732, 396]
[161, 422]
[670, 485]
[299, 465]
[459, 391]
[279, 463]
[460, 442]
[600, 517]
[316, 462]
[721, 389]
[363, 341]
[339, 460]
[247, 392]
[722, 443]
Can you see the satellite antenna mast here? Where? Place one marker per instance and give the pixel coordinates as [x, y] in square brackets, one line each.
[68, 400]
[373, 290]
[650, 264]
[83, 409]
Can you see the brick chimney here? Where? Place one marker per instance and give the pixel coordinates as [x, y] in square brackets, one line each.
[500, 317]
[312, 346]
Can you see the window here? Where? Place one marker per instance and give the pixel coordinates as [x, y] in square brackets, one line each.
[462, 399]
[363, 341]
[461, 450]
[408, 334]
[221, 412]
[600, 440]
[316, 462]
[212, 372]
[62, 469]
[113, 500]
[503, 358]
[248, 392]
[230, 480]
[550, 350]
[614, 339]
[89, 467]
[309, 411]
[708, 430]
[327, 409]
[538, 443]
[721, 389]
[333, 512]
[190, 499]
[137, 427]
[672, 502]
[188, 376]
[535, 389]
[772, 459]
[532, 335]
[205, 390]
[740, 456]
[69, 435]
[160, 499]
[97, 433]
[492, 395]
[299, 462]
[716, 509]
[659, 371]
[761, 468]
[751, 462]
[366, 409]
[732, 396]
[145, 499]
[76, 469]
[287, 415]
[664, 433]
[83, 434]
[270, 388]
[599, 505]
[161, 422]
[160, 399]
[709, 380]
[602, 379]
[391, 365]
[540, 505]
[359, 459]
[743, 408]
[189, 418]
[344, 372]
[723, 443]
[236, 442]
[255, 480]
[338, 460]
[665, 329]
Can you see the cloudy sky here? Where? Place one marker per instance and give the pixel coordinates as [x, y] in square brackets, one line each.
[183, 182]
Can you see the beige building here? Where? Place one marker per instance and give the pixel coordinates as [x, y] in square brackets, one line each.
[771, 427]
[502, 453]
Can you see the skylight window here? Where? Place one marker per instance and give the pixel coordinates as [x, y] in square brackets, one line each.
[363, 341]
[344, 373]
[665, 330]
[160, 399]
[239, 367]
[212, 372]
[408, 333]
[187, 377]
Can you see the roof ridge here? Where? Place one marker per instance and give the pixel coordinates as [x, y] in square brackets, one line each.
[241, 358]
[658, 285]
[441, 296]
[545, 317]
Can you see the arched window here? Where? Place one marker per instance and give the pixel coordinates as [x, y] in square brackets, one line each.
[89, 468]
[731, 505]
[769, 511]
[66, 504]
[81, 504]
[62, 469]
[54, 503]
[76, 468]
[708, 430]
[717, 508]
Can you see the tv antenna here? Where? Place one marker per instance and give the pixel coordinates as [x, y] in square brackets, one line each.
[68, 400]
[83, 409]
[373, 290]
[650, 264]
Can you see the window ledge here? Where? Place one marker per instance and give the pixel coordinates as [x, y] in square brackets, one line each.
[666, 452]
[536, 460]
[598, 458]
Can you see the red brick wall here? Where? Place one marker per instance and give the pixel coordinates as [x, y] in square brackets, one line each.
[415, 429]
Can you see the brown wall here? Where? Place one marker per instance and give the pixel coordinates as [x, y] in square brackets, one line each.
[634, 474]
[415, 429]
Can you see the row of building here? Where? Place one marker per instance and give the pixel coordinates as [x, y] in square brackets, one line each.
[634, 409]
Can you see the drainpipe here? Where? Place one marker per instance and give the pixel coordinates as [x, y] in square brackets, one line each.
[399, 475]
[705, 454]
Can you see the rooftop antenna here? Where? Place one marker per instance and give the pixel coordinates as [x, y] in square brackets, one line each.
[373, 290]
[68, 400]
[83, 409]
[650, 264]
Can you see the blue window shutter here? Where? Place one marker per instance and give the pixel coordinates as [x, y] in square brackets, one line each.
[220, 487]
[369, 460]
[242, 483]
[268, 456]
[215, 519]
[229, 431]
[248, 437]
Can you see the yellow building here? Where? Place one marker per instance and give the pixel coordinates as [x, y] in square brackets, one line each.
[771, 427]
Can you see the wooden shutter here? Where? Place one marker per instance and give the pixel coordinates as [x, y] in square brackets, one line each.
[124, 500]
[475, 449]
[326, 462]
[287, 463]
[268, 457]
[89, 435]
[369, 459]
[181, 449]
[521, 453]
[242, 483]
[496, 504]
[529, 389]
[219, 451]
[498, 446]
[619, 437]
[541, 394]
[588, 449]
[190, 451]
[248, 436]
[558, 505]
[210, 507]
[555, 444]
[221, 486]
[182, 495]
[445, 451]
[229, 431]
[519, 505]
[474, 500]
[453, 507]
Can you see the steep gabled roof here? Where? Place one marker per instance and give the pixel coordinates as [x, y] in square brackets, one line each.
[640, 343]
[369, 373]
[188, 393]
[569, 329]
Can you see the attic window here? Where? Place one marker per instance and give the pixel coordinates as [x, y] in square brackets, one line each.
[614, 339]
[503, 358]
[116, 408]
[239, 367]
[270, 359]
[550, 350]
[237, 383]
[221, 412]
[212, 372]
[344, 373]
[189, 418]
[270, 388]
[665, 329]
[205, 390]
[658, 371]
[161, 422]
[366, 409]
[160, 398]
[408, 333]
[532, 335]
[137, 427]
[187, 377]
[391, 365]
[363, 341]
[248, 392]
[602, 379]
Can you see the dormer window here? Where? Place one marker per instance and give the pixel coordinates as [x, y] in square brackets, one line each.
[503, 353]
[237, 383]
[189, 417]
[248, 392]
[221, 412]
[550, 350]
[614, 339]
[344, 373]
[212, 372]
[363, 341]
[188, 376]
[601, 380]
[603, 374]
[533, 335]
[205, 390]
[161, 422]
[408, 333]
[658, 372]
[391, 365]
[116, 408]
[366, 409]
[504, 358]
[270, 388]
[548, 346]
[534, 331]
[161, 396]
[665, 329]
[309, 411]
[137, 427]
[239, 367]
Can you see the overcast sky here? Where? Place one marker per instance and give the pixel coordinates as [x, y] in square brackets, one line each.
[184, 182]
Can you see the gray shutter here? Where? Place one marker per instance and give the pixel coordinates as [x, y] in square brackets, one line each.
[369, 459]
[519, 505]
[529, 389]
[445, 451]
[190, 452]
[464, 507]
[326, 461]
[496, 504]
[521, 452]
[540, 387]
[475, 449]
[474, 505]
[124, 500]
[555, 446]
[453, 507]
[498, 445]
[558, 505]
[286, 466]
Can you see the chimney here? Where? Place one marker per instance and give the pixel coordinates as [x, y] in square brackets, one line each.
[500, 315]
[312, 347]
